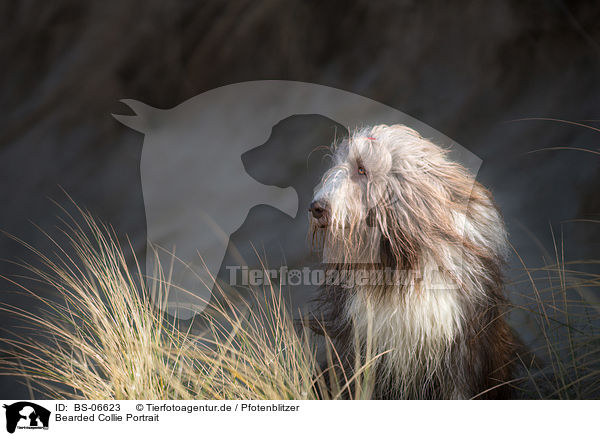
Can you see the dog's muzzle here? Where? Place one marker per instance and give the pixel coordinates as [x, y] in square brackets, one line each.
[320, 212]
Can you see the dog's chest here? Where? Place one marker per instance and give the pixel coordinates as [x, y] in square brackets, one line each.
[415, 331]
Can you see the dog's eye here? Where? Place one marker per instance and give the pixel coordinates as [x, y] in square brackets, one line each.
[362, 171]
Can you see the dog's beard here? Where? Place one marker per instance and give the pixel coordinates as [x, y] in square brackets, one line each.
[356, 244]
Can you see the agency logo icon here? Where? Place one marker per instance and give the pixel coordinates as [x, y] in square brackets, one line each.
[26, 415]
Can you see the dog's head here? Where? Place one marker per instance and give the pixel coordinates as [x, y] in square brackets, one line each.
[395, 198]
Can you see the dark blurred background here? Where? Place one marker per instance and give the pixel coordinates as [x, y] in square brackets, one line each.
[472, 70]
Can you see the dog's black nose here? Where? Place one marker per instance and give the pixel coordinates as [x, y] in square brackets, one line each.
[319, 208]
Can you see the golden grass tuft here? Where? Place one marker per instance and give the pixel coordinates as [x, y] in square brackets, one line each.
[105, 338]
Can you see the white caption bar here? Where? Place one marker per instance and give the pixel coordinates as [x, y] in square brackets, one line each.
[149, 417]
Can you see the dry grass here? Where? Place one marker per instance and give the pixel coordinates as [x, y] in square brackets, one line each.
[562, 312]
[106, 339]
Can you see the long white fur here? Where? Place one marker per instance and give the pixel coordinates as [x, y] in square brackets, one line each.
[416, 322]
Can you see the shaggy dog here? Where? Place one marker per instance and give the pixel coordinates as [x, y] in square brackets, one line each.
[394, 202]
